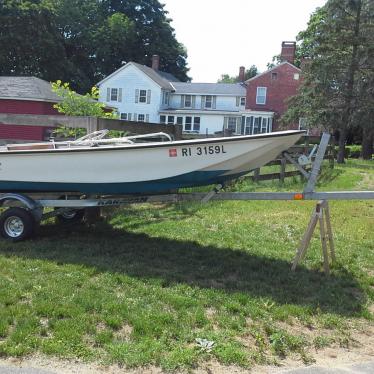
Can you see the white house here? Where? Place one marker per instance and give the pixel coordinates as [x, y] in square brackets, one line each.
[141, 93]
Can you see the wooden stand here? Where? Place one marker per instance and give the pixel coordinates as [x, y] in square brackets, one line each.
[320, 214]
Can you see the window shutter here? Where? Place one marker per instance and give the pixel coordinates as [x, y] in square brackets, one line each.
[237, 100]
[135, 117]
[120, 94]
[214, 102]
[182, 101]
[193, 101]
[147, 118]
[202, 102]
[148, 96]
[129, 116]
[108, 94]
[136, 96]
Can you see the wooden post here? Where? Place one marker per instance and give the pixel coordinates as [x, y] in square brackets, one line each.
[256, 175]
[321, 214]
[329, 232]
[306, 145]
[283, 163]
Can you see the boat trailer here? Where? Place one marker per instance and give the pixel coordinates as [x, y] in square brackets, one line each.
[25, 213]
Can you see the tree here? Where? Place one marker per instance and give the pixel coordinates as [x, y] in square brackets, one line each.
[82, 41]
[334, 92]
[249, 73]
[73, 104]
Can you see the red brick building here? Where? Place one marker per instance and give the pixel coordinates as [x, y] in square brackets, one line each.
[25, 95]
[268, 92]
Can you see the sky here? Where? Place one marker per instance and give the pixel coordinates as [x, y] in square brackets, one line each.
[221, 35]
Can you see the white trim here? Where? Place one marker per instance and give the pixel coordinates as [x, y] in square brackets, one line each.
[268, 71]
[264, 95]
[206, 93]
[198, 112]
[124, 67]
[28, 99]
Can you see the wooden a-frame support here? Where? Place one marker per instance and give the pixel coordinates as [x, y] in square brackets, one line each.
[321, 214]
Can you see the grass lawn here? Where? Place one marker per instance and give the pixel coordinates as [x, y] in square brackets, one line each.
[140, 287]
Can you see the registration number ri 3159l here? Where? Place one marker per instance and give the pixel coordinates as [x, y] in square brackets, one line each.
[205, 150]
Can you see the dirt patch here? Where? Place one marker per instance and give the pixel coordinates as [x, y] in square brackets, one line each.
[72, 367]
[124, 333]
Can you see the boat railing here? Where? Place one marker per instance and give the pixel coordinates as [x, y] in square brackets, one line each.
[97, 138]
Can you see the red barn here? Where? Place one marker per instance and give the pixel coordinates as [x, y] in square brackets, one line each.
[268, 92]
[25, 95]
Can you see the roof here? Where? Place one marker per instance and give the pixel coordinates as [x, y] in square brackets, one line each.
[274, 68]
[162, 78]
[231, 89]
[27, 88]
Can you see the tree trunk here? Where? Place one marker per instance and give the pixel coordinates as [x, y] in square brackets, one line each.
[341, 151]
[367, 143]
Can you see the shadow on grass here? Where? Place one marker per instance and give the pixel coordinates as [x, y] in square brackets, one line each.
[207, 267]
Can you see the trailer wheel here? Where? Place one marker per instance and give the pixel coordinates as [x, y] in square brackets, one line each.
[17, 224]
[71, 216]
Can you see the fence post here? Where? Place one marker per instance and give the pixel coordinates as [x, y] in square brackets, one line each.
[332, 152]
[283, 163]
[256, 175]
[306, 145]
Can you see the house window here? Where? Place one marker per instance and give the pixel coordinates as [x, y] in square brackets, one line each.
[231, 124]
[242, 101]
[296, 76]
[114, 94]
[162, 119]
[261, 95]
[187, 101]
[248, 130]
[196, 124]
[141, 117]
[256, 126]
[179, 120]
[208, 101]
[123, 115]
[166, 98]
[170, 120]
[270, 124]
[188, 124]
[142, 96]
[274, 76]
[264, 125]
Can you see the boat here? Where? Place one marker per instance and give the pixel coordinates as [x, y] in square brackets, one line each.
[95, 165]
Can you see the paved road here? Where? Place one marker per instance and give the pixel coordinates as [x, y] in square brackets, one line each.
[14, 370]
[364, 368]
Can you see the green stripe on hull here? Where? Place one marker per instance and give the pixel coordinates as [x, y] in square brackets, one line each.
[196, 178]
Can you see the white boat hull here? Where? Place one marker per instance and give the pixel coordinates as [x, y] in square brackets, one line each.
[139, 168]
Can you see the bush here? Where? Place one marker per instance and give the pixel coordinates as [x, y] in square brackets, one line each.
[351, 151]
[355, 151]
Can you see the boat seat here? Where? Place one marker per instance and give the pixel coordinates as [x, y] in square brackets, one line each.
[26, 147]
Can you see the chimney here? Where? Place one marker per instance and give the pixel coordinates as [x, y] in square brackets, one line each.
[288, 52]
[155, 62]
[241, 74]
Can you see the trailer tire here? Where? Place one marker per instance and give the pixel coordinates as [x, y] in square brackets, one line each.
[71, 216]
[17, 224]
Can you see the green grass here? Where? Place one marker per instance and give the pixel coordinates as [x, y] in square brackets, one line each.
[140, 287]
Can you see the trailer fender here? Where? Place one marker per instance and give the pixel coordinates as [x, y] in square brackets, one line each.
[35, 209]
